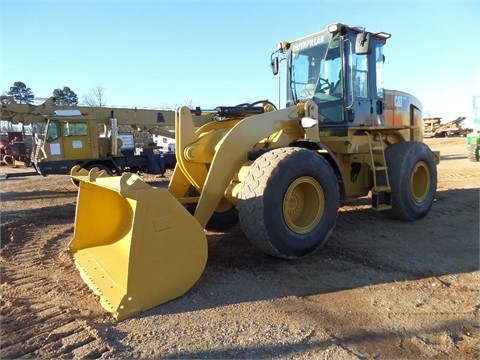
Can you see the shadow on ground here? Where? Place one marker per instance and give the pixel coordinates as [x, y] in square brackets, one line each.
[366, 248]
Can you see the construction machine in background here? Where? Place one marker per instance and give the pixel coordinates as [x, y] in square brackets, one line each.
[13, 149]
[430, 125]
[433, 127]
[71, 137]
[473, 138]
[280, 173]
[473, 146]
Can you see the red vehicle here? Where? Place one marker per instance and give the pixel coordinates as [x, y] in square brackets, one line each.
[14, 150]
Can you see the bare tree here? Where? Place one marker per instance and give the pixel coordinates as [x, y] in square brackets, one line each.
[189, 103]
[96, 97]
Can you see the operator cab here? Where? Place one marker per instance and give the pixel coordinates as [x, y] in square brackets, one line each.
[341, 70]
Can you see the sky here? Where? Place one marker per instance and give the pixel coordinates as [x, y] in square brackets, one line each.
[164, 54]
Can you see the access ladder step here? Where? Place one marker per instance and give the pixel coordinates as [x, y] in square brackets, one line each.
[381, 198]
[382, 207]
[381, 189]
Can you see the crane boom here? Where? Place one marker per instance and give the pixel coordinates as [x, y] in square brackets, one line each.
[159, 122]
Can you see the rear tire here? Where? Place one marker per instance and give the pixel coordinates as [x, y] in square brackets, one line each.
[100, 167]
[413, 178]
[473, 151]
[288, 203]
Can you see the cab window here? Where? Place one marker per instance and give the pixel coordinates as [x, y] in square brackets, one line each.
[75, 129]
[359, 67]
[380, 59]
[53, 130]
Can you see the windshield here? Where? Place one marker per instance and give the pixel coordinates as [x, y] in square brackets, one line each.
[316, 73]
[316, 68]
[53, 130]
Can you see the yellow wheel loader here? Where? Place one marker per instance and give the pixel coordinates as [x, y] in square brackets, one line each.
[280, 173]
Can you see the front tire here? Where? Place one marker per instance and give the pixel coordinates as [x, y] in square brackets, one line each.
[413, 178]
[224, 218]
[288, 203]
[473, 151]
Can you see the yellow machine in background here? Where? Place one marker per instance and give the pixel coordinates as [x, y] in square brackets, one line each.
[72, 137]
[280, 173]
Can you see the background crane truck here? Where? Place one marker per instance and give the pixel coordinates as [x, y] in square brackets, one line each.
[71, 137]
[280, 173]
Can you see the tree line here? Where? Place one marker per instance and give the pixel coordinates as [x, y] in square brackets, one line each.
[22, 94]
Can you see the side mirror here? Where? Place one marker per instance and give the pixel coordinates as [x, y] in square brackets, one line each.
[274, 65]
[363, 43]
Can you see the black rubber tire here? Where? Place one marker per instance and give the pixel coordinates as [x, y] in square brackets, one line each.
[100, 167]
[412, 172]
[473, 151]
[220, 220]
[280, 188]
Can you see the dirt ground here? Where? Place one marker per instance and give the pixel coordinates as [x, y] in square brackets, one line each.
[380, 288]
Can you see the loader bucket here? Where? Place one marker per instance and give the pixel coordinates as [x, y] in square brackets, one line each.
[135, 245]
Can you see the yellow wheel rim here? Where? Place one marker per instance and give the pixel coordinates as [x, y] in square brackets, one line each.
[223, 206]
[303, 205]
[420, 181]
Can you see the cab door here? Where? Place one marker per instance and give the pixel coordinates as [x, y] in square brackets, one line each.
[359, 90]
[76, 140]
[365, 92]
[52, 148]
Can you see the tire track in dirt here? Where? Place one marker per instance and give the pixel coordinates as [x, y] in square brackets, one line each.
[38, 318]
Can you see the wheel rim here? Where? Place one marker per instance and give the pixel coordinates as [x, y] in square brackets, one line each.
[420, 182]
[303, 205]
[223, 206]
